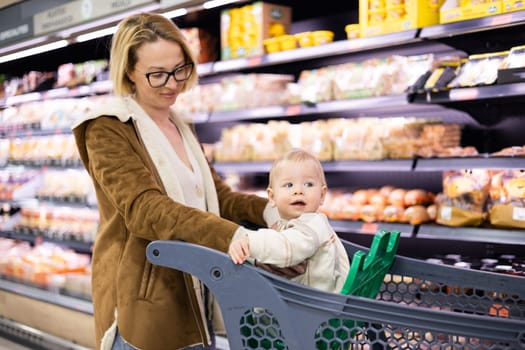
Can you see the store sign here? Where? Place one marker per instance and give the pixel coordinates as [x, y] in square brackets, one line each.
[61, 17]
[104, 7]
[17, 32]
[79, 11]
[171, 3]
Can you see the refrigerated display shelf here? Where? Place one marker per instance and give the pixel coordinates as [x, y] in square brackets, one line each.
[360, 227]
[484, 161]
[95, 88]
[498, 92]
[355, 107]
[28, 130]
[48, 296]
[54, 163]
[484, 234]
[472, 234]
[335, 48]
[488, 23]
[416, 164]
[30, 338]
[78, 246]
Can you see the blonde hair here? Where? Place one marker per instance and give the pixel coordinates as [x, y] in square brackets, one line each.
[296, 155]
[132, 33]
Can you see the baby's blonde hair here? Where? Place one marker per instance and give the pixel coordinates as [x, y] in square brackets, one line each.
[297, 155]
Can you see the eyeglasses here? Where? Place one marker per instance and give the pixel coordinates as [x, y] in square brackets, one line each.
[159, 79]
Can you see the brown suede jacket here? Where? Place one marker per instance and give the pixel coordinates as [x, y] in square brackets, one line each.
[157, 306]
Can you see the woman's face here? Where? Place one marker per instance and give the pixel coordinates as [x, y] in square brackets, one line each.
[159, 56]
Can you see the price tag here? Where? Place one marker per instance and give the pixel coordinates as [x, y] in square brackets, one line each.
[464, 94]
[501, 20]
[446, 213]
[293, 110]
[369, 227]
[254, 61]
[518, 214]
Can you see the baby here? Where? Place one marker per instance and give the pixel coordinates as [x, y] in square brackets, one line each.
[297, 188]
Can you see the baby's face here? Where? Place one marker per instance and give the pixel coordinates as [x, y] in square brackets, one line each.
[297, 189]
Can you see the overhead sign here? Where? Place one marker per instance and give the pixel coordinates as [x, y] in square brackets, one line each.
[171, 3]
[78, 12]
[104, 7]
[22, 30]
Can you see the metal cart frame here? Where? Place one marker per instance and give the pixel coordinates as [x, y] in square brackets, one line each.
[419, 306]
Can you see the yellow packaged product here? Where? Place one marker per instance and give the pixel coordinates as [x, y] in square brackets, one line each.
[515, 58]
[507, 198]
[287, 42]
[320, 37]
[479, 69]
[305, 39]
[244, 29]
[396, 12]
[464, 197]
[353, 31]
[271, 45]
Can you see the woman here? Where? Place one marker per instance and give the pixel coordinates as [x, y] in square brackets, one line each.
[153, 182]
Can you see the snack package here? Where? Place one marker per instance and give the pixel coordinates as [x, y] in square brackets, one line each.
[507, 198]
[464, 197]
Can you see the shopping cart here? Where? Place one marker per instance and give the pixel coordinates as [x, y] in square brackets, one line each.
[419, 305]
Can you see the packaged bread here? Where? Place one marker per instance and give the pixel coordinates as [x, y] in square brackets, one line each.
[315, 137]
[464, 197]
[507, 198]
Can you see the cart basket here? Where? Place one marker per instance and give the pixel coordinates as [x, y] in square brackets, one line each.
[419, 305]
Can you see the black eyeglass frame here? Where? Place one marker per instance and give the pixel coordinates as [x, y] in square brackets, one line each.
[170, 74]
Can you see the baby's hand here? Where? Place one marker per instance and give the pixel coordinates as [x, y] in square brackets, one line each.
[239, 250]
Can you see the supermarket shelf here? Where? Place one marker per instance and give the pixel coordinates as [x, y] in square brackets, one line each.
[332, 166]
[80, 247]
[474, 25]
[96, 88]
[478, 93]
[326, 50]
[47, 296]
[482, 162]
[347, 226]
[417, 164]
[472, 234]
[29, 130]
[355, 107]
[242, 167]
[369, 165]
[31, 338]
[435, 231]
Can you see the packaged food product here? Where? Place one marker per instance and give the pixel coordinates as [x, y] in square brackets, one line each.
[507, 198]
[464, 197]
[353, 31]
[320, 37]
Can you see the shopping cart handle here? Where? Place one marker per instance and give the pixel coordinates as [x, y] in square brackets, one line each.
[202, 262]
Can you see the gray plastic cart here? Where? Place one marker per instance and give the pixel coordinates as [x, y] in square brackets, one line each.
[419, 305]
